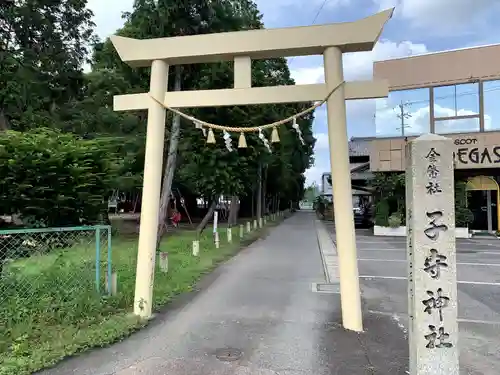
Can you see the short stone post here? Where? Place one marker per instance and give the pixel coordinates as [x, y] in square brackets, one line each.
[216, 240]
[255, 224]
[432, 280]
[216, 219]
[113, 284]
[196, 247]
[229, 235]
[249, 227]
[216, 233]
[260, 222]
[164, 261]
[241, 231]
[265, 220]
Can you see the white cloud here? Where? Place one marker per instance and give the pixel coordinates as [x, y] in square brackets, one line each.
[278, 4]
[360, 65]
[304, 76]
[444, 16]
[389, 125]
[107, 15]
[321, 141]
[314, 174]
[357, 66]
[295, 12]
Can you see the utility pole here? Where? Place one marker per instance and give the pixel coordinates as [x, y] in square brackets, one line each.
[402, 115]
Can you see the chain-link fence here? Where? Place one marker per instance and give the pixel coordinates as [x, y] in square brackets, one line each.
[45, 271]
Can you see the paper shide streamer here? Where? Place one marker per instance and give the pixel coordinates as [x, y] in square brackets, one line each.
[242, 143]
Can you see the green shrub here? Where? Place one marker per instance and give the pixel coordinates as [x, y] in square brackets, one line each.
[463, 216]
[382, 213]
[395, 220]
[53, 179]
[389, 196]
[390, 200]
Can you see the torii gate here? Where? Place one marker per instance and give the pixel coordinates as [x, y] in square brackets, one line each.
[241, 46]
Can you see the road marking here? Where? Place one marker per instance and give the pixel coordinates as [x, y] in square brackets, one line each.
[404, 261]
[476, 321]
[460, 251]
[372, 249]
[488, 252]
[381, 242]
[460, 320]
[369, 277]
[478, 283]
[328, 288]
[404, 242]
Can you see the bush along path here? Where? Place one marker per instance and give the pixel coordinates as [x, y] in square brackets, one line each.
[84, 320]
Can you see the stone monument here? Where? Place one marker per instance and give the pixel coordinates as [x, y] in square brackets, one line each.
[432, 272]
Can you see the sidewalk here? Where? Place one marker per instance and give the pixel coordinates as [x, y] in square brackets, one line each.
[261, 304]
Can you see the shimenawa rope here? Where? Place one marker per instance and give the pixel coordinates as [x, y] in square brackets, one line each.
[247, 129]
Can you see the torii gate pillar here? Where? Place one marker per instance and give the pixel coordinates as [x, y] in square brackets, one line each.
[150, 207]
[341, 191]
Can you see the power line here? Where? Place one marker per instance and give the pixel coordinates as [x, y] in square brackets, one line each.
[319, 10]
[312, 23]
[402, 115]
[423, 101]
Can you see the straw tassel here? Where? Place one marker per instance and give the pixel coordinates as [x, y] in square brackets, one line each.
[211, 137]
[275, 137]
[242, 142]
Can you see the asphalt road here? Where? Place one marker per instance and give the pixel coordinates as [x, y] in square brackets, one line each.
[382, 268]
[261, 303]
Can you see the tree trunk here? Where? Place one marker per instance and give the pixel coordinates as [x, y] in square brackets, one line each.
[168, 175]
[208, 215]
[259, 193]
[253, 205]
[233, 213]
[264, 192]
[4, 123]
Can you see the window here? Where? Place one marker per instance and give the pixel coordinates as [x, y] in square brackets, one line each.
[457, 125]
[491, 98]
[456, 108]
[456, 100]
[403, 113]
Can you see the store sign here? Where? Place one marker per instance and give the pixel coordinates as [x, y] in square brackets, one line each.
[470, 153]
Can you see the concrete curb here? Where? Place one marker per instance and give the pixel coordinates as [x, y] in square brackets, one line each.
[328, 252]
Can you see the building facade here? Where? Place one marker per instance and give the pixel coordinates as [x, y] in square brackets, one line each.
[453, 93]
[359, 162]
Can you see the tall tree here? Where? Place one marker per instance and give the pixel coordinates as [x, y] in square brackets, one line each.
[45, 45]
[210, 170]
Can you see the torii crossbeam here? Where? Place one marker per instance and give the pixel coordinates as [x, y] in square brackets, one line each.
[331, 41]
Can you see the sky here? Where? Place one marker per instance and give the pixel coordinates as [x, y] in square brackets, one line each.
[417, 26]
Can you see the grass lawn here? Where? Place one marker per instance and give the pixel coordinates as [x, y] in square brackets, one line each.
[50, 308]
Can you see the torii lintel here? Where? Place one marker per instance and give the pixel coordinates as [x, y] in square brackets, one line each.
[357, 36]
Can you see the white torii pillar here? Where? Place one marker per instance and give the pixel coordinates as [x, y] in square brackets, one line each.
[341, 191]
[150, 207]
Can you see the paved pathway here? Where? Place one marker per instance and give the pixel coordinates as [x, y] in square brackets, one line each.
[262, 303]
[382, 267]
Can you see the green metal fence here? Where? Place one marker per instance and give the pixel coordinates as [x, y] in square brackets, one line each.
[53, 263]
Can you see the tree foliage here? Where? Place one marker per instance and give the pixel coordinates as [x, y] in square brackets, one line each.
[44, 45]
[53, 179]
[43, 86]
